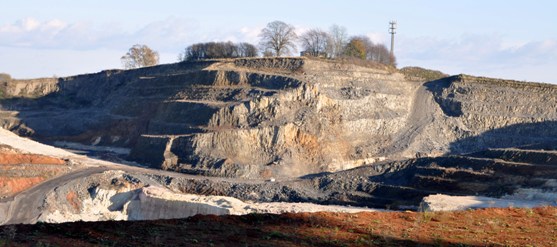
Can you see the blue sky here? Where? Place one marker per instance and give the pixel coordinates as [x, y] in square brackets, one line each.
[507, 39]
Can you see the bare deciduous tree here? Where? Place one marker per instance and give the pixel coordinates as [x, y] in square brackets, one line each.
[247, 50]
[140, 56]
[315, 42]
[279, 38]
[380, 53]
[339, 39]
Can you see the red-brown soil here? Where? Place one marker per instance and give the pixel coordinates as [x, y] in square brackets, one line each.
[73, 200]
[19, 172]
[10, 186]
[9, 158]
[485, 227]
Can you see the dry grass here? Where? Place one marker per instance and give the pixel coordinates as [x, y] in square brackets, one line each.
[421, 74]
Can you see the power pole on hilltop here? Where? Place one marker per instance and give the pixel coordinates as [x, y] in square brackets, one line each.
[392, 31]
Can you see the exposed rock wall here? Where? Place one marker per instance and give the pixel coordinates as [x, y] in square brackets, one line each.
[29, 88]
[319, 120]
[278, 117]
[486, 112]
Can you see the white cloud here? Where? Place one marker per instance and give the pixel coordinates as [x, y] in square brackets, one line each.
[54, 24]
[23, 25]
[27, 24]
[251, 34]
[33, 48]
[488, 55]
[24, 40]
[168, 35]
[52, 34]
[378, 38]
[475, 48]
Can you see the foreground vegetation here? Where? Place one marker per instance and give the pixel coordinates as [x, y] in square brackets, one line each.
[485, 227]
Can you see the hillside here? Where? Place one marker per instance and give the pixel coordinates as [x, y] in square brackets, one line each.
[272, 135]
[284, 117]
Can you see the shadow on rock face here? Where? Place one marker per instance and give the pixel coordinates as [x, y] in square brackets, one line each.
[450, 107]
[542, 135]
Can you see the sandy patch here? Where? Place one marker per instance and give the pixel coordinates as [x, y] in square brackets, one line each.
[442, 202]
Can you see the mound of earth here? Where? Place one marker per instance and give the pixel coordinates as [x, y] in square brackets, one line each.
[20, 170]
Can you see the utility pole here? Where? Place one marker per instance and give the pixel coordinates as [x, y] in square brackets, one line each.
[392, 31]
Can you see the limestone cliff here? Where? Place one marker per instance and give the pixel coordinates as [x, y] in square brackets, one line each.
[281, 117]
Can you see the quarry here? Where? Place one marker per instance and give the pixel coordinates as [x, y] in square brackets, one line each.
[271, 135]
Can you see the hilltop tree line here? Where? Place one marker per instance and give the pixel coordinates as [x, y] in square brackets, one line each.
[276, 39]
[212, 50]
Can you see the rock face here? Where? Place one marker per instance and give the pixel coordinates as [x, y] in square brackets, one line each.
[108, 191]
[488, 113]
[282, 117]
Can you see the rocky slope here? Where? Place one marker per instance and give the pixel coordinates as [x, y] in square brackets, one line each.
[284, 117]
[93, 190]
[119, 192]
[40, 183]
[282, 135]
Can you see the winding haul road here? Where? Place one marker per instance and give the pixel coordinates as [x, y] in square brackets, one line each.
[24, 208]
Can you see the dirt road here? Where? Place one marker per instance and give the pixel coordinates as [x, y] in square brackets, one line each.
[420, 116]
[25, 206]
